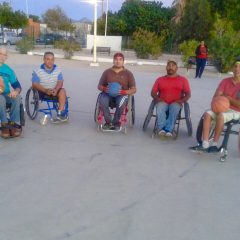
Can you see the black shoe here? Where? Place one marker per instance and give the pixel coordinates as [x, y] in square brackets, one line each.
[108, 126]
[117, 126]
[213, 149]
[199, 149]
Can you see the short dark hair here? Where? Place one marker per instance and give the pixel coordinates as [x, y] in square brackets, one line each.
[118, 54]
[48, 53]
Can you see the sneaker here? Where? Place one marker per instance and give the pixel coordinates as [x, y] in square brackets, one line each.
[169, 134]
[5, 131]
[213, 149]
[108, 126]
[162, 133]
[62, 116]
[117, 126]
[199, 149]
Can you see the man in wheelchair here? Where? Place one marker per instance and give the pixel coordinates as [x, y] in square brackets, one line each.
[48, 81]
[169, 93]
[230, 88]
[116, 83]
[10, 127]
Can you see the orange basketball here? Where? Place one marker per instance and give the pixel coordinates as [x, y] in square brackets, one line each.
[220, 104]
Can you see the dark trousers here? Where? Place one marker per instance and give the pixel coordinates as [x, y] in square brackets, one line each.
[119, 102]
[201, 62]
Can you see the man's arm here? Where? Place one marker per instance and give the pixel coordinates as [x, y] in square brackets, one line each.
[185, 98]
[36, 85]
[102, 83]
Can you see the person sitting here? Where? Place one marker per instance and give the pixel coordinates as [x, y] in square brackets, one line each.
[169, 93]
[230, 88]
[116, 74]
[10, 89]
[48, 80]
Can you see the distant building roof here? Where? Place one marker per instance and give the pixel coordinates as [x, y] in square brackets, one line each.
[83, 20]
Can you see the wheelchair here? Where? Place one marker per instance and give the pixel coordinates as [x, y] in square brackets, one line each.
[227, 130]
[186, 116]
[22, 116]
[33, 105]
[127, 117]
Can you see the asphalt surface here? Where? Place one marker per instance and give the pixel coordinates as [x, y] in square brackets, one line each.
[70, 181]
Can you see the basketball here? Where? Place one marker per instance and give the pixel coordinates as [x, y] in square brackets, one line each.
[114, 88]
[220, 104]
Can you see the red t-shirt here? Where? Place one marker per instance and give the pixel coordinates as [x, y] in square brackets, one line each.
[202, 52]
[171, 89]
[228, 88]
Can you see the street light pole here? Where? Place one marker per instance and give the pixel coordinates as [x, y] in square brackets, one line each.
[106, 20]
[27, 9]
[95, 36]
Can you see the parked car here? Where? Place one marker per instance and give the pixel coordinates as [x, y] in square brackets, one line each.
[9, 38]
[48, 39]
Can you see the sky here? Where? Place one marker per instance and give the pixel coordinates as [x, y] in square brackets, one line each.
[74, 9]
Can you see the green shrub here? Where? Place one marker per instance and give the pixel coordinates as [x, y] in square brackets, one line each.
[24, 45]
[147, 44]
[225, 44]
[68, 46]
[187, 49]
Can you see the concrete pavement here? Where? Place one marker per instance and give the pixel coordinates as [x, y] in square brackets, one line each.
[71, 182]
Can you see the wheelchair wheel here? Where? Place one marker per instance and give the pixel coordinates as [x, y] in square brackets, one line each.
[97, 108]
[188, 118]
[22, 115]
[131, 113]
[149, 115]
[32, 103]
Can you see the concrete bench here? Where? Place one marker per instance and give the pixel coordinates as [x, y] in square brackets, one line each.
[102, 50]
[210, 62]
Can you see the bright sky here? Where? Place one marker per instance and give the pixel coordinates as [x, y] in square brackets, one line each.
[75, 9]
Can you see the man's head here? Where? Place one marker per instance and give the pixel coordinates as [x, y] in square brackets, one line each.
[171, 67]
[118, 60]
[236, 69]
[3, 55]
[48, 60]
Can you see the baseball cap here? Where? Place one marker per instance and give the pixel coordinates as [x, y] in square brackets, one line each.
[118, 55]
[171, 61]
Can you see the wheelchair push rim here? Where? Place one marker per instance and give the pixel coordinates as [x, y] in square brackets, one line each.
[32, 103]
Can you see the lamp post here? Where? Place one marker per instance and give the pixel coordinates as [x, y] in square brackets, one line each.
[27, 9]
[106, 20]
[95, 63]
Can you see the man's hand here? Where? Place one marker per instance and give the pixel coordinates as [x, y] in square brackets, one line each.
[54, 92]
[49, 92]
[105, 89]
[13, 94]
[180, 102]
[123, 92]
[1, 85]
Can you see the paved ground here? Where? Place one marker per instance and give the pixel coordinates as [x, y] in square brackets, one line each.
[71, 182]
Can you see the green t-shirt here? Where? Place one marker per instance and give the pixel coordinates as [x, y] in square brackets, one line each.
[8, 76]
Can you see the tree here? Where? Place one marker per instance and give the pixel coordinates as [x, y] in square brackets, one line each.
[196, 22]
[5, 14]
[35, 18]
[225, 44]
[18, 20]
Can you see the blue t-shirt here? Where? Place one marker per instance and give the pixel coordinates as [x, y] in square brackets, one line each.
[9, 78]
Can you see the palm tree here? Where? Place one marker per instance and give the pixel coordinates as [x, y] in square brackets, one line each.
[179, 5]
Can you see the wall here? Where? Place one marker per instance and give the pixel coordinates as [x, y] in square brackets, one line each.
[114, 42]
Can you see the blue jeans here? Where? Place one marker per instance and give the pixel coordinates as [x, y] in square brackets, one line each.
[119, 102]
[165, 122]
[14, 111]
[201, 62]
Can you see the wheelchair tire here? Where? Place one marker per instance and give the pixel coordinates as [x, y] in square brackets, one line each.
[188, 119]
[32, 103]
[97, 108]
[148, 116]
[131, 113]
[22, 115]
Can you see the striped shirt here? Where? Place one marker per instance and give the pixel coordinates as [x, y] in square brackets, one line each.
[47, 78]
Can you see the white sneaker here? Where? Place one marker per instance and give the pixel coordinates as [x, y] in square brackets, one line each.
[162, 133]
[168, 134]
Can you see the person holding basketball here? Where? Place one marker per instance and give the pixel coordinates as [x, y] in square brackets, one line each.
[116, 83]
[230, 89]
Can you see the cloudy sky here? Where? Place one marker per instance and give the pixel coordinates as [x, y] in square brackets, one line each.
[75, 9]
